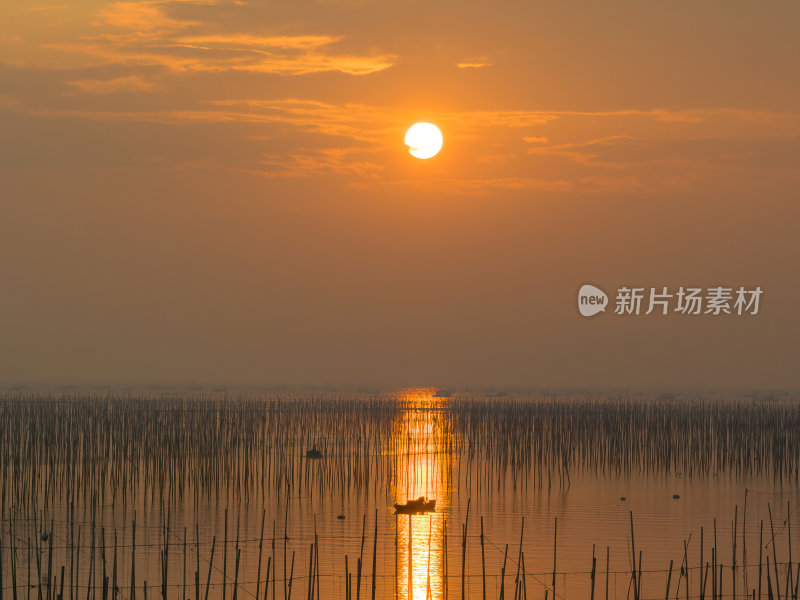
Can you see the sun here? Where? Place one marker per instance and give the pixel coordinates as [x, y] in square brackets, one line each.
[424, 140]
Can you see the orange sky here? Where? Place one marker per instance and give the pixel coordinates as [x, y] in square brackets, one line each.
[218, 192]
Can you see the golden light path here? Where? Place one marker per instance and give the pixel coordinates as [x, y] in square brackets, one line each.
[421, 470]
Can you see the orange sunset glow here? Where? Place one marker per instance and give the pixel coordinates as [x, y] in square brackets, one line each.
[399, 299]
[224, 193]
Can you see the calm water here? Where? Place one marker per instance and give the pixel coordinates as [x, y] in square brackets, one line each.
[415, 556]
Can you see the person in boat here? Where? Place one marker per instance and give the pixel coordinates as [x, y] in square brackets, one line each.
[421, 504]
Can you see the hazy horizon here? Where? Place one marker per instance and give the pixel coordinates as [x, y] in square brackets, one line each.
[399, 389]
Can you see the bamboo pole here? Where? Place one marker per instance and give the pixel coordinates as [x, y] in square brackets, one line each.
[375, 555]
[273, 559]
[12, 550]
[733, 560]
[310, 588]
[760, 556]
[266, 583]
[184, 563]
[225, 559]
[132, 594]
[774, 553]
[669, 579]
[633, 564]
[483, 563]
[684, 571]
[519, 558]
[211, 565]
[361, 556]
[464, 550]
[446, 585]
[291, 578]
[285, 541]
[555, 545]
[114, 587]
[503, 575]
[50, 561]
[260, 547]
[236, 575]
[197, 561]
[700, 581]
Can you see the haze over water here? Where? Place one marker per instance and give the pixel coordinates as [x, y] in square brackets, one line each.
[409, 444]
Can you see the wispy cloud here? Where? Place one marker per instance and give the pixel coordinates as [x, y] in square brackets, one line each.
[611, 183]
[581, 152]
[132, 83]
[474, 63]
[146, 15]
[183, 58]
[159, 33]
[293, 42]
[469, 185]
[313, 163]
[545, 150]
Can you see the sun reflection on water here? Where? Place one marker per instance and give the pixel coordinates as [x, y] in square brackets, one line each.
[421, 469]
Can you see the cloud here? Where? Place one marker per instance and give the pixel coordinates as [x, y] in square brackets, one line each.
[580, 152]
[181, 58]
[307, 136]
[355, 121]
[293, 42]
[610, 183]
[481, 185]
[140, 16]
[132, 83]
[187, 37]
[284, 55]
[313, 163]
[474, 63]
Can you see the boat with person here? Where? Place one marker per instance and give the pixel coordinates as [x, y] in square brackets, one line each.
[420, 505]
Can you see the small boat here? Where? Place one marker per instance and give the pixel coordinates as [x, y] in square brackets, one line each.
[313, 452]
[420, 505]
